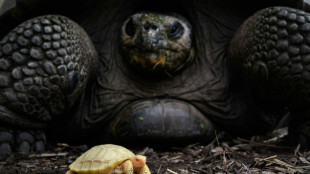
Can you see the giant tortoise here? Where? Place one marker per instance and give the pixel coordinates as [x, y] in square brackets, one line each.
[151, 71]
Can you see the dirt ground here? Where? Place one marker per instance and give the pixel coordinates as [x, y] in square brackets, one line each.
[224, 154]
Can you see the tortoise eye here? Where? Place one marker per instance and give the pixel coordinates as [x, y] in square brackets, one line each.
[130, 28]
[176, 30]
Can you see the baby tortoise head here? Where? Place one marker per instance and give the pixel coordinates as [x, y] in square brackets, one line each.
[157, 43]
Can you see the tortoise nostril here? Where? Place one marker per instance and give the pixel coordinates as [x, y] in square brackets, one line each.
[154, 27]
[146, 27]
[150, 26]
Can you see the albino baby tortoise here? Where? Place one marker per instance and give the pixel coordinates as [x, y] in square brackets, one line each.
[109, 159]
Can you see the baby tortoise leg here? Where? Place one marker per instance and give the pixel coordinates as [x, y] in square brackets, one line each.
[145, 170]
[127, 167]
[45, 63]
[272, 48]
[70, 172]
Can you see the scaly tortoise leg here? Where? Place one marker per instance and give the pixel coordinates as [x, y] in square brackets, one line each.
[45, 63]
[272, 49]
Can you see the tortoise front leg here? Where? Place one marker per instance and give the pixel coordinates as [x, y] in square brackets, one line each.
[70, 172]
[45, 64]
[272, 50]
[127, 167]
[145, 170]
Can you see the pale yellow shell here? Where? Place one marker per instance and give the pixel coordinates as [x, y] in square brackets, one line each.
[101, 159]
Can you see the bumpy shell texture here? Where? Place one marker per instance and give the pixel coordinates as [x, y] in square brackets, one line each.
[101, 159]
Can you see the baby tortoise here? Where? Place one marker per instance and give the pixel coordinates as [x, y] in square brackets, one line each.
[109, 159]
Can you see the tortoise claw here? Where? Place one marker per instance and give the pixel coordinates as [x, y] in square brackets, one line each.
[6, 141]
[21, 141]
[5, 148]
[30, 141]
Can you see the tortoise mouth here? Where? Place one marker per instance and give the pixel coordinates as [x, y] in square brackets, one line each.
[160, 60]
[168, 119]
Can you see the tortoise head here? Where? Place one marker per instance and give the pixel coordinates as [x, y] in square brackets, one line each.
[138, 162]
[157, 43]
